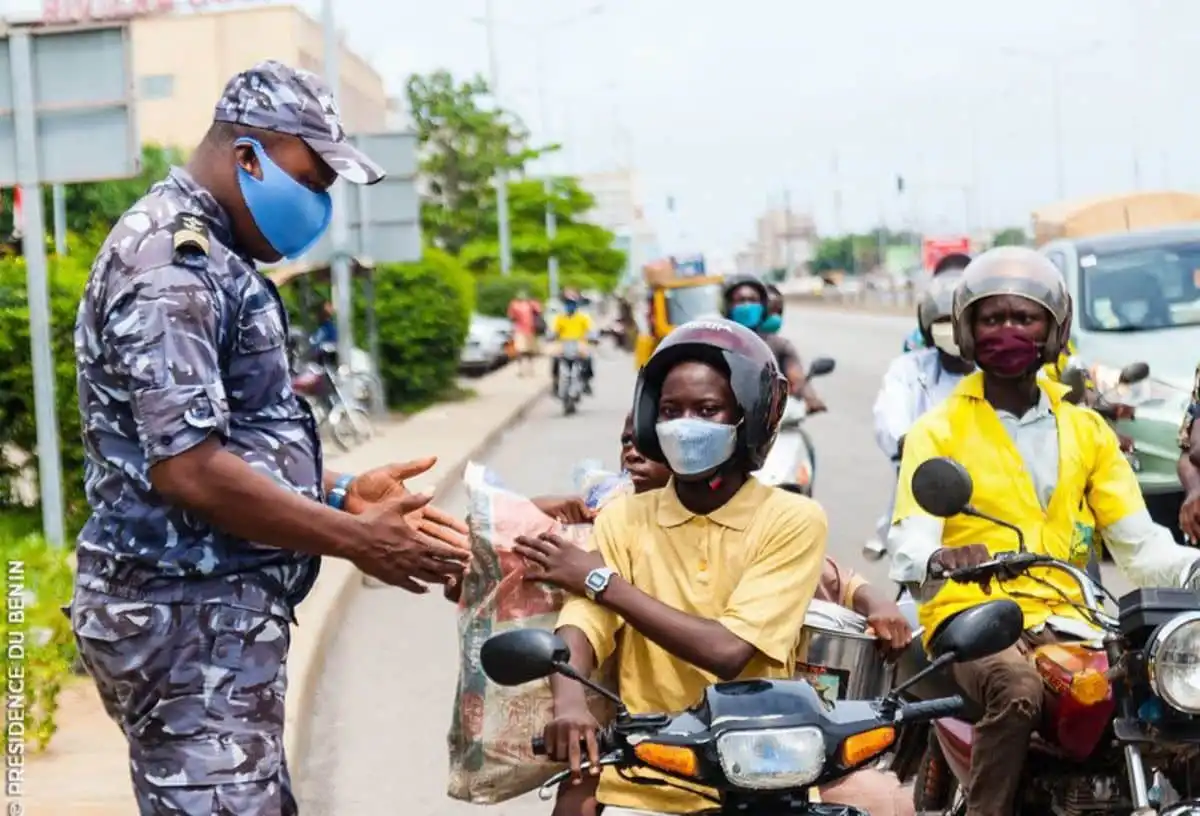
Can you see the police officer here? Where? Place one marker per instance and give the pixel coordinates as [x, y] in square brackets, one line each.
[210, 505]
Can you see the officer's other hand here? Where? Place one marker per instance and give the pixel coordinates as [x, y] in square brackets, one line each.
[399, 553]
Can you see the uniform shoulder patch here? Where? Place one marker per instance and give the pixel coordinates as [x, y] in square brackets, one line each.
[189, 235]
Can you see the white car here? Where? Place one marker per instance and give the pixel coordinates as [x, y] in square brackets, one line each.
[486, 347]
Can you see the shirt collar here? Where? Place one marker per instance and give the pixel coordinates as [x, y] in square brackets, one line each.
[734, 514]
[206, 205]
[1052, 394]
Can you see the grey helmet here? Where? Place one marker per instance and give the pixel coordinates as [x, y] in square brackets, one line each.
[1019, 271]
[937, 302]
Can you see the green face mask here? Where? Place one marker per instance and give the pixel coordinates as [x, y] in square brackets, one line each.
[771, 324]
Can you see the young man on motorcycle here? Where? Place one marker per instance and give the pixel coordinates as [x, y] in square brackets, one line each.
[1052, 468]
[954, 263]
[916, 381]
[705, 580]
[747, 302]
[573, 326]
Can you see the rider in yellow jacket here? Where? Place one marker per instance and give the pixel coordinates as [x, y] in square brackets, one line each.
[1052, 468]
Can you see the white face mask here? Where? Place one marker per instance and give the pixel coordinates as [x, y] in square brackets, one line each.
[694, 446]
[943, 338]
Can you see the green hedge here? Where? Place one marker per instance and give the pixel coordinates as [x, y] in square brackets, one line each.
[45, 580]
[424, 310]
[18, 428]
[493, 292]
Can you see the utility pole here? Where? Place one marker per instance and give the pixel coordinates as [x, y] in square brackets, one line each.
[787, 233]
[59, 200]
[339, 228]
[837, 197]
[501, 172]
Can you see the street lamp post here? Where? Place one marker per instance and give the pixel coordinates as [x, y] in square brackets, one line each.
[540, 34]
[501, 172]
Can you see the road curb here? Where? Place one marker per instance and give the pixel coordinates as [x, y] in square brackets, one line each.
[342, 582]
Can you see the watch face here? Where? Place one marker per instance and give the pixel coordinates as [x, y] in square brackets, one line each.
[595, 581]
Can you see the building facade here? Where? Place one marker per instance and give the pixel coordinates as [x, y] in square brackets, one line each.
[181, 63]
[783, 239]
[618, 208]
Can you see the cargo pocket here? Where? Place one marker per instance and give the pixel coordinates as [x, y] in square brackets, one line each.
[250, 647]
[125, 648]
[208, 761]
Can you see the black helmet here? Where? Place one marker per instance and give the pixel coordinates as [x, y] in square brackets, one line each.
[737, 282]
[937, 302]
[758, 386]
[954, 262]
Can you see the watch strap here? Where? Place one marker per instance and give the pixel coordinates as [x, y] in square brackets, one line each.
[337, 496]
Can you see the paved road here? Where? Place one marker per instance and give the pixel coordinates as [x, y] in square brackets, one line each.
[383, 707]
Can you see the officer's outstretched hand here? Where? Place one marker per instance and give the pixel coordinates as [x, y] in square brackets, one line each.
[389, 482]
[397, 551]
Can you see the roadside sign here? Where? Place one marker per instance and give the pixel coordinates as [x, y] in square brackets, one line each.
[689, 266]
[66, 115]
[934, 249]
[384, 219]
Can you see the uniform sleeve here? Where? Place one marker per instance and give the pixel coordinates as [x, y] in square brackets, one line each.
[767, 607]
[598, 624]
[163, 330]
[1189, 416]
[1112, 489]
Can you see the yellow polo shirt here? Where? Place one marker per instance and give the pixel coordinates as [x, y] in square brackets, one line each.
[752, 565]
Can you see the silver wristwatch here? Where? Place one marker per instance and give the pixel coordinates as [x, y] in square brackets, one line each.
[597, 581]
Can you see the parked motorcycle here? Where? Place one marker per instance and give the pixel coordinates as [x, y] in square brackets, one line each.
[753, 747]
[792, 461]
[570, 376]
[317, 381]
[1122, 711]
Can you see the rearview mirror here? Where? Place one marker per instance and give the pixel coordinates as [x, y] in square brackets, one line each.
[821, 366]
[1134, 373]
[1074, 377]
[980, 631]
[942, 487]
[522, 656]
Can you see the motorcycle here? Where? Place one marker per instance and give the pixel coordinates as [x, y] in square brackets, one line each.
[317, 382]
[570, 376]
[792, 463]
[1120, 709]
[1107, 404]
[752, 747]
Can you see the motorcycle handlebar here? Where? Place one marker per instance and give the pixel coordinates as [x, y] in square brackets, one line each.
[930, 709]
[603, 737]
[1009, 565]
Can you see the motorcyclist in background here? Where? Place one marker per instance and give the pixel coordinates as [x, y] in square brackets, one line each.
[917, 381]
[955, 262]
[1005, 424]
[748, 302]
[575, 326]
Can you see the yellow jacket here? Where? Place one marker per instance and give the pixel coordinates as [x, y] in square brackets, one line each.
[1095, 489]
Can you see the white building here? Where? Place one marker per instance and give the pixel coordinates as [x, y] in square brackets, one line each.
[783, 239]
[619, 209]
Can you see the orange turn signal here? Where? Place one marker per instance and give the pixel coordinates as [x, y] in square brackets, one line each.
[858, 748]
[1089, 687]
[671, 758]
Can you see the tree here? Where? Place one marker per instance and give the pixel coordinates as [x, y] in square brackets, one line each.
[463, 146]
[582, 249]
[1011, 236]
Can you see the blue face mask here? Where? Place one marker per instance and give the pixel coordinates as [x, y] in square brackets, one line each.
[289, 215]
[748, 314]
[771, 324]
[570, 307]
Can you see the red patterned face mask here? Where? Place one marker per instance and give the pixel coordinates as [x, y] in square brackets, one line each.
[1007, 352]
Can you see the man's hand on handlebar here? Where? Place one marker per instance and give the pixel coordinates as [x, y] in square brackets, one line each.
[948, 560]
[565, 737]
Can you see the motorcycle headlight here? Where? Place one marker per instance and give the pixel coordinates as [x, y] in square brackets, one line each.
[772, 758]
[1173, 662]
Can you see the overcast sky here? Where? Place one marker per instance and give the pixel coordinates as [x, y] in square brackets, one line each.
[725, 105]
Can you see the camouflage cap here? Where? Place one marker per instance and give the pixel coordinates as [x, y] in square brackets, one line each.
[274, 96]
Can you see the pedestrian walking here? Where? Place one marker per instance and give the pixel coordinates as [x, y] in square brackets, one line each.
[211, 505]
[526, 316]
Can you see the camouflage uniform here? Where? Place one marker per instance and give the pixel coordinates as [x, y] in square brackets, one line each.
[1189, 416]
[186, 628]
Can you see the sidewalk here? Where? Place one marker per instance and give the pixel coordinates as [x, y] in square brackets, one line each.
[84, 772]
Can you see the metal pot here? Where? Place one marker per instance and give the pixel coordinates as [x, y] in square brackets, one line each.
[837, 655]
